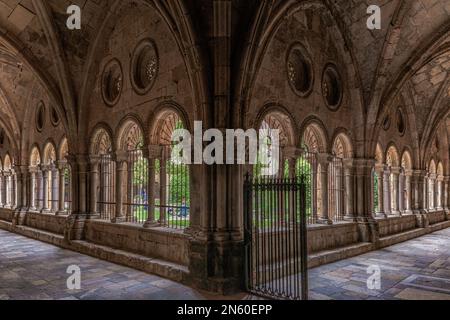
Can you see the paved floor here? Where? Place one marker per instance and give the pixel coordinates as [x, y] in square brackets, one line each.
[417, 269]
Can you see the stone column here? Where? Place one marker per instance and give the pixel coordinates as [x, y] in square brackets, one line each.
[408, 196]
[154, 152]
[349, 180]
[396, 188]
[401, 191]
[420, 201]
[368, 227]
[445, 198]
[45, 182]
[387, 192]
[121, 159]
[55, 189]
[39, 190]
[19, 201]
[94, 177]
[163, 187]
[380, 171]
[7, 189]
[61, 189]
[324, 162]
[13, 190]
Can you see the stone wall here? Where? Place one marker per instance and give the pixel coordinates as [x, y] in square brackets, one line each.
[46, 222]
[322, 238]
[6, 215]
[436, 217]
[164, 244]
[396, 225]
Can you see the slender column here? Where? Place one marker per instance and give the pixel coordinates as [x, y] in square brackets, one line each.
[364, 195]
[55, 188]
[13, 190]
[401, 191]
[33, 193]
[408, 191]
[45, 171]
[7, 189]
[380, 171]
[61, 189]
[154, 152]
[349, 179]
[314, 199]
[324, 162]
[395, 190]
[94, 162]
[445, 197]
[163, 187]
[18, 187]
[121, 158]
[2, 198]
[387, 191]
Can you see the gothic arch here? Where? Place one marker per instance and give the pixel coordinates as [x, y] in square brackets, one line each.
[407, 162]
[164, 121]
[35, 157]
[274, 118]
[130, 135]
[392, 156]
[49, 153]
[63, 150]
[314, 137]
[7, 164]
[379, 154]
[342, 146]
[432, 169]
[101, 141]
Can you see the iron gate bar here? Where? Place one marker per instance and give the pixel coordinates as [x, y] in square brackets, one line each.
[275, 234]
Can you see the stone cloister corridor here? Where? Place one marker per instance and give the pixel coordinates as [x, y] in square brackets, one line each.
[220, 149]
[416, 269]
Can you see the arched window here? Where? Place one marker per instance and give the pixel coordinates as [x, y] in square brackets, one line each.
[393, 162]
[339, 188]
[65, 179]
[316, 172]
[172, 195]
[431, 185]
[405, 183]
[134, 190]
[103, 179]
[36, 200]
[378, 181]
[8, 182]
[50, 179]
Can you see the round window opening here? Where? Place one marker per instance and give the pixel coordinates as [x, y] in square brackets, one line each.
[112, 82]
[144, 66]
[401, 124]
[331, 87]
[299, 70]
[40, 117]
[54, 116]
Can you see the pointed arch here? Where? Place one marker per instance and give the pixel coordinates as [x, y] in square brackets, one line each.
[379, 157]
[63, 150]
[314, 138]
[407, 162]
[392, 156]
[35, 157]
[130, 135]
[342, 146]
[49, 153]
[101, 141]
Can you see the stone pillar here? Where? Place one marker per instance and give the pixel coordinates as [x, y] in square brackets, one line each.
[445, 196]
[408, 191]
[314, 187]
[401, 191]
[45, 182]
[324, 163]
[19, 201]
[61, 189]
[368, 227]
[121, 159]
[55, 188]
[154, 152]
[419, 177]
[1, 188]
[349, 180]
[396, 187]
[39, 190]
[387, 192]
[380, 171]
[163, 186]
[94, 178]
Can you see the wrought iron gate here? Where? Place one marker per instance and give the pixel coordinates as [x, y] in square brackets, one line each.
[276, 237]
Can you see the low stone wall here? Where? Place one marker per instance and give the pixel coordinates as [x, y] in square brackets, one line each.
[321, 238]
[169, 245]
[436, 217]
[6, 214]
[46, 222]
[395, 225]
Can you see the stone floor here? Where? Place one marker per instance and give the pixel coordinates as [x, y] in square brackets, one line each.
[417, 269]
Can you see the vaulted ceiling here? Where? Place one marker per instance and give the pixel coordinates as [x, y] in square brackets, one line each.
[41, 59]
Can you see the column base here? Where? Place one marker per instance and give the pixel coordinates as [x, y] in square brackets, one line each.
[151, 224]
[62, 213]
[325, 221]
[119, 220]
[381, 215]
